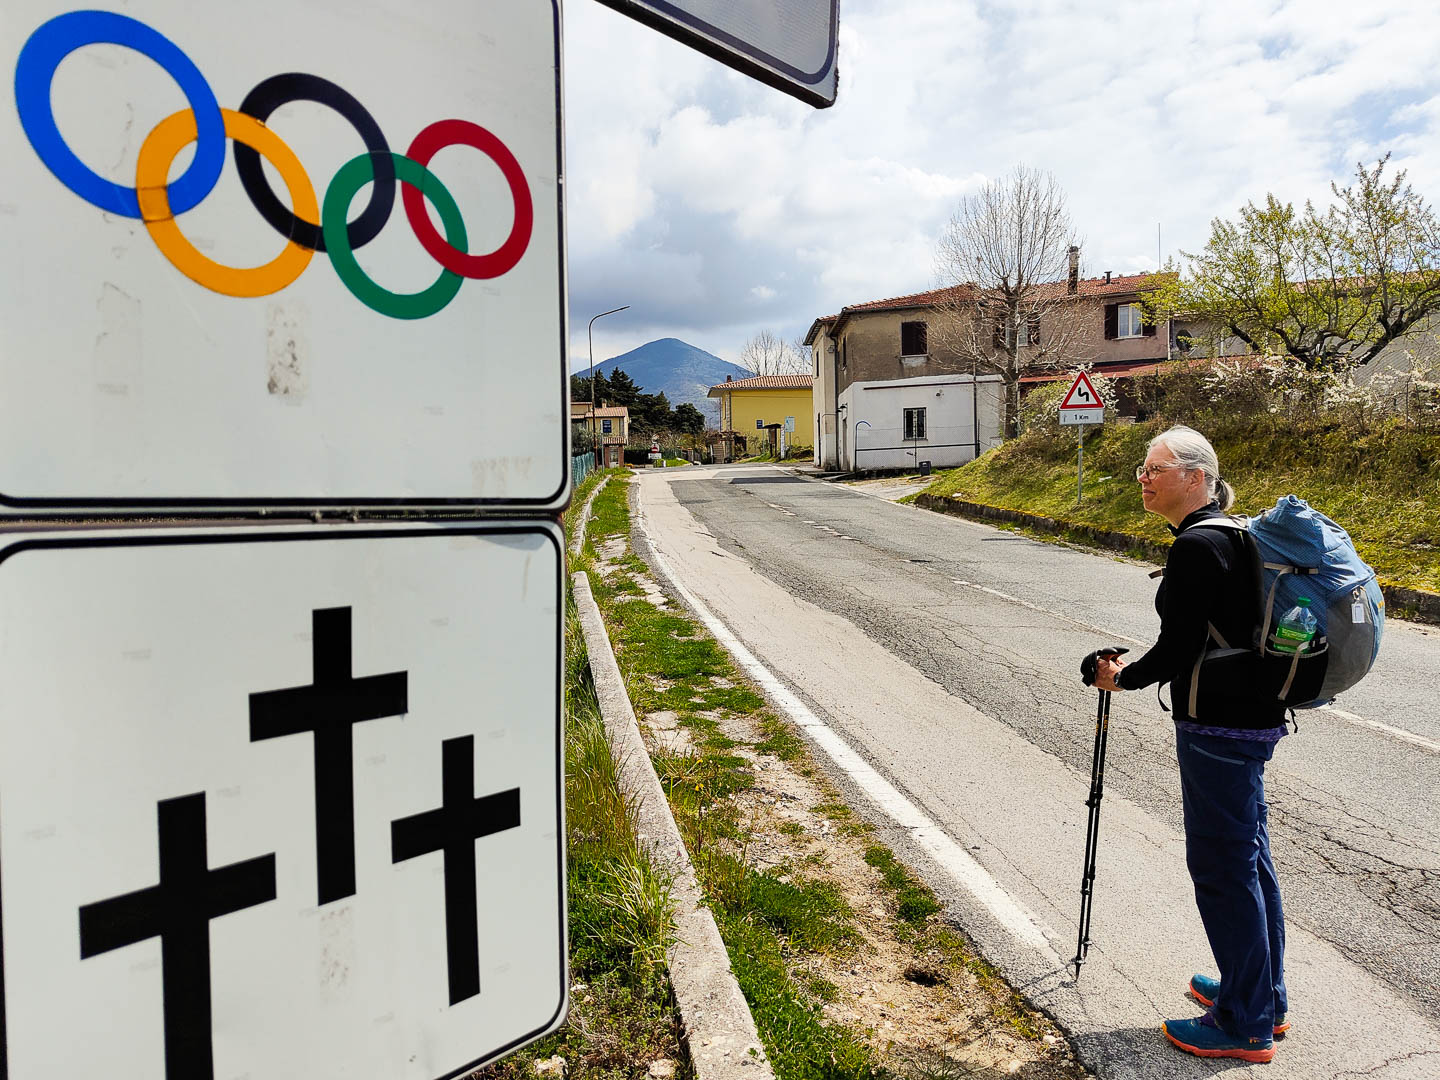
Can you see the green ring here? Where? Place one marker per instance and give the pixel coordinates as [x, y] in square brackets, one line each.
[355, 174]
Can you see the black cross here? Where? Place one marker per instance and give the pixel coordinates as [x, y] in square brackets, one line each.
[453, 828]
[330, 708]
[178, 911]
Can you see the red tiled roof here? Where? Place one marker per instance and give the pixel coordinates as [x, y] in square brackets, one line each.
[1118, 285]
[612, 410]
[767, 382]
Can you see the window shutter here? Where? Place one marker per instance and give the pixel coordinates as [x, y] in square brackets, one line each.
[1112, 321]
[1033, 328]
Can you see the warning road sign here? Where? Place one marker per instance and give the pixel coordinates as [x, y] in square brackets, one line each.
[1082, 395]
[280, 803]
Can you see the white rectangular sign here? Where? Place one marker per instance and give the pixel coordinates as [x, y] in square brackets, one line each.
[787, 44]
[222, 286]
[280, 803]
[1082, 416]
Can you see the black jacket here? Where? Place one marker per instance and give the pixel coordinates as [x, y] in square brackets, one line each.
[1209, 579]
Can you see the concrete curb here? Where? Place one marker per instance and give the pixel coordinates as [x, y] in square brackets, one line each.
[718, 1028]
[577, 538]
[1423, 606]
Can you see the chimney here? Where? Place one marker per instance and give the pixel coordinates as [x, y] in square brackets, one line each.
[1074, 282]
[1107, 277]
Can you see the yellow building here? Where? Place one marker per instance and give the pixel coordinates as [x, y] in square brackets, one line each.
[765, 407]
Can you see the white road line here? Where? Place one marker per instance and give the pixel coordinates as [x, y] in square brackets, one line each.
[1111, 634]
[1350, 718]
[954, 859]
[1384, 729]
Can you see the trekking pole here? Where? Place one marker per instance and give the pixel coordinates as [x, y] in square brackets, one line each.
[1097, 792]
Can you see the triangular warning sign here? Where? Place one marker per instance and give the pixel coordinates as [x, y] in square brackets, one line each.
[1082, 394]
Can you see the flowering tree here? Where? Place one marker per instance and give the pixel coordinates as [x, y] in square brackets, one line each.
[1330, 288]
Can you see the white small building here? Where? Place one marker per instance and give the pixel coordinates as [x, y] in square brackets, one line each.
[946, 420]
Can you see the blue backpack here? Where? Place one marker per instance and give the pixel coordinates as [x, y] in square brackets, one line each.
[1297, 552]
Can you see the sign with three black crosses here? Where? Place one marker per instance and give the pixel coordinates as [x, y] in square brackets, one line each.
[211, 876]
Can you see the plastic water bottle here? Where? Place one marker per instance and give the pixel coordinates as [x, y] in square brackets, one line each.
[1297, 627]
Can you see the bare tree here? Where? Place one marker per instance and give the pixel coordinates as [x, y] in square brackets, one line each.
[1004, 258]
[767, 354]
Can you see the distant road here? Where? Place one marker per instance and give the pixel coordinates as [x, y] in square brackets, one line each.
[945, 654]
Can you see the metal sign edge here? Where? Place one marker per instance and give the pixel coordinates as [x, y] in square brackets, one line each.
[730, 51]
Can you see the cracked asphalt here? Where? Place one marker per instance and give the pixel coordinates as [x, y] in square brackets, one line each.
[847, 596]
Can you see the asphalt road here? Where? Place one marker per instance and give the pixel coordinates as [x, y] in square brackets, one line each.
[945, 654]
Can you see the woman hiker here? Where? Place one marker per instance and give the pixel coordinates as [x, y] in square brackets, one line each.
[1209, 579]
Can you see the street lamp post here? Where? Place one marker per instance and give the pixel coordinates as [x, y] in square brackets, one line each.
[590, 337]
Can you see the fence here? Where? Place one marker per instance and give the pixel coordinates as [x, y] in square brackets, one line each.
[581, 466]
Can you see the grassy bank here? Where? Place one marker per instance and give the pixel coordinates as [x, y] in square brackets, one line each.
[1383, 486]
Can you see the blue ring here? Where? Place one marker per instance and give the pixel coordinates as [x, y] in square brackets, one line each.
[35, 69]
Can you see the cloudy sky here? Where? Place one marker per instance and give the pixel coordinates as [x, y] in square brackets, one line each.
[716, 206]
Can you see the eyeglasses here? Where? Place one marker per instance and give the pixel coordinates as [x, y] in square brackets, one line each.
[1142, 471]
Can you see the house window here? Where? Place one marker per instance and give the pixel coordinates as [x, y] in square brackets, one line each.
[914, 423]
[845, 353]
[1124, 321]
[914, 339]
[759, 425]
[605, 426]
[1028, 334]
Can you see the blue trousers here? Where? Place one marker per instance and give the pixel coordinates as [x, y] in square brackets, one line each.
[1227, 849]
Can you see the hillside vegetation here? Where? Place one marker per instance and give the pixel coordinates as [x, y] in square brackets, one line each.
[1381, 484]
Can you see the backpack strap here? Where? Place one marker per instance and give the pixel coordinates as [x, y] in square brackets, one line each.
[1219, 639]
[1212, 634]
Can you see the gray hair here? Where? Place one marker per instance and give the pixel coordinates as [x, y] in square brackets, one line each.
[1191, 450]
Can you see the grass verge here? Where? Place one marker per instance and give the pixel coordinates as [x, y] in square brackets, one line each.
[1382, 485]
[620, 912]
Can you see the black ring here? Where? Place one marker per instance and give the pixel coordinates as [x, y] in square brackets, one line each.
[295, 86]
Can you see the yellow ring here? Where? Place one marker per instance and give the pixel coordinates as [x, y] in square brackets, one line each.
[152, 174]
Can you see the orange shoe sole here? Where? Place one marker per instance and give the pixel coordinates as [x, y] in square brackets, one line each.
[1280, 1028]
[1257, 1057]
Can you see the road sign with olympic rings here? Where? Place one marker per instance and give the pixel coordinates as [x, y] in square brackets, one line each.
[307, 225]
[319, 268]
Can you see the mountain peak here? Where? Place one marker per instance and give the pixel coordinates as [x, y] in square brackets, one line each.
[683, 372]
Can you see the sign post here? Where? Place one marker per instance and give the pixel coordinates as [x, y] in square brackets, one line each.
[1082, 405]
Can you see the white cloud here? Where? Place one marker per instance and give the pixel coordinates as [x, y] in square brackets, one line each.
[688, 182]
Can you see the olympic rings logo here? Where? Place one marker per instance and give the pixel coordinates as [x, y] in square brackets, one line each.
[308, 226]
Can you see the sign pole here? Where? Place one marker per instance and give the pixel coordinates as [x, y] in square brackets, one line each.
[1080, 467]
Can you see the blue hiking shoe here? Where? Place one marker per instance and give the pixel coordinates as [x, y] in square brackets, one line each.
[1203, 1038]
[1205, 990]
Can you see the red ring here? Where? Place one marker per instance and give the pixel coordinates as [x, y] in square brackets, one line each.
[436, 137]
